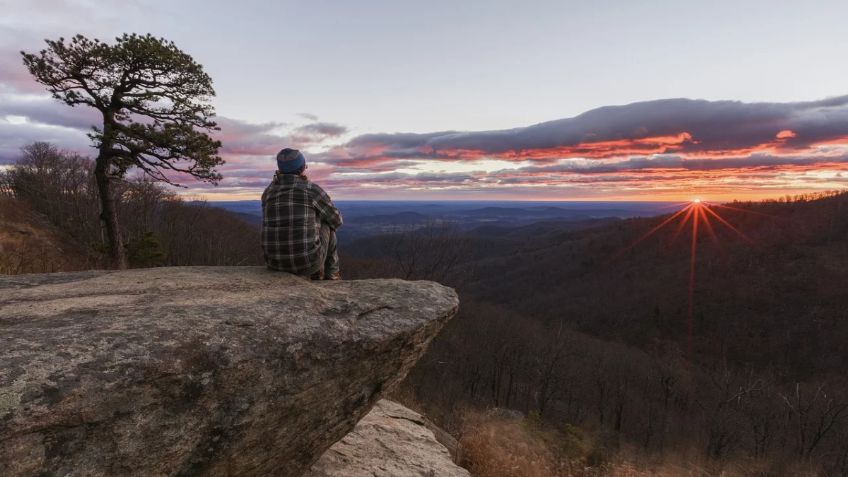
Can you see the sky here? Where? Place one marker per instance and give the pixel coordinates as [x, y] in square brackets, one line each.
[507, 100]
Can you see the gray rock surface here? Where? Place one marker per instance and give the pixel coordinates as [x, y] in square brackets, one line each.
[390, 441]
[198, 370]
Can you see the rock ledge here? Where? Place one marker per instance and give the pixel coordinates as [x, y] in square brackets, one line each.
[390, 441]
[198, 370]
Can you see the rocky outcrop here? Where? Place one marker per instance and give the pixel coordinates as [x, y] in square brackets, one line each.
[390, 441]
[198, 370]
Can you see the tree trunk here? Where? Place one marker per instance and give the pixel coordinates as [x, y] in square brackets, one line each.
[108, 213]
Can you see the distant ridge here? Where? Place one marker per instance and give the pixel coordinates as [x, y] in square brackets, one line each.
[369, 218]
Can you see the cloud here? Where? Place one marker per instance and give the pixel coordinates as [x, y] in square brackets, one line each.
[655, 148]
[317, 132]
[14, 136]
[25, 24]
[25, 118]
[244, 138]
[13, 75]
[683, 126]
[674, 162]
[44, 110]
[322, 129]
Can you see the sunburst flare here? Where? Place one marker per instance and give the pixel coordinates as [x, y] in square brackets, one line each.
[698, 215]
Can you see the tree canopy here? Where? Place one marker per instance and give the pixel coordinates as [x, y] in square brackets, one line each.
[154, 99]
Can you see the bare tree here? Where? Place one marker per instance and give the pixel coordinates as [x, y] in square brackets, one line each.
[59, 185]
[547, 367]
[430, 251]
[721, 409]
[812, 416]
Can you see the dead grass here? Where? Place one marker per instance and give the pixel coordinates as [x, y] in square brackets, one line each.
[501, 446]
[496, 445]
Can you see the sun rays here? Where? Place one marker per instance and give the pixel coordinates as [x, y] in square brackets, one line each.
[698, 216]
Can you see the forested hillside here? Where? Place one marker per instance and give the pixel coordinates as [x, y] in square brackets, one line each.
[589, 328]
[160, 229]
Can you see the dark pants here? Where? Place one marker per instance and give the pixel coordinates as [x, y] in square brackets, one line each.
[329, 256]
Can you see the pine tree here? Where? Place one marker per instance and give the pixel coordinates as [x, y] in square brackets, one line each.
[155, 104]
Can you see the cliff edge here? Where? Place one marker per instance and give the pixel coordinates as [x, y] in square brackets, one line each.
[198, 370]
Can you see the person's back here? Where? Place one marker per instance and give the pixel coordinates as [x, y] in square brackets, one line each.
[299, 222]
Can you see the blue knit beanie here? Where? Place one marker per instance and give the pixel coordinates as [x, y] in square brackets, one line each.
[290, 161]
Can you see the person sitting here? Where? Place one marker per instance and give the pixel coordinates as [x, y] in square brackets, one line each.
[299, 222]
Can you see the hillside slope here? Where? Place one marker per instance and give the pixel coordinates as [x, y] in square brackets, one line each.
[29, 243]
[771, 295]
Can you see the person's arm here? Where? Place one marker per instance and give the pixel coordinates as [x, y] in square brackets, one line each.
[327, 212]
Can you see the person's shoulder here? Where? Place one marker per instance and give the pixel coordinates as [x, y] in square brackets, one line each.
[315, 187]
[274, 184]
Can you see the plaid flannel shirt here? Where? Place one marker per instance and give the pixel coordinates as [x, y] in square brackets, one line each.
[293, 209]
